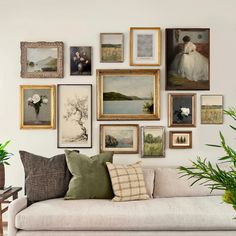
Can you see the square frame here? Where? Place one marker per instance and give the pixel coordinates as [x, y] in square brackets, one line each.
[42, 74]
[135, 140]
[52, 124]
[178, 113]
[153, 142]
[154, 50]
[155, 115]
[180, 144]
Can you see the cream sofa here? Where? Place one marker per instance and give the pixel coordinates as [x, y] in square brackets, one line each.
[175, 209]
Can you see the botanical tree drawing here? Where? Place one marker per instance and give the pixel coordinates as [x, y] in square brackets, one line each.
[77, 112]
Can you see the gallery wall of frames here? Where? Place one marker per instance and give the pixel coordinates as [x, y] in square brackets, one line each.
[125, 95]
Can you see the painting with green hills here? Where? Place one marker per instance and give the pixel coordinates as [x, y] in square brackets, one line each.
[128, 94]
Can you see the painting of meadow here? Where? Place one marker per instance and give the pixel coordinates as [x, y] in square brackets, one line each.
[211, 109]
[112, 47]
[153, 141]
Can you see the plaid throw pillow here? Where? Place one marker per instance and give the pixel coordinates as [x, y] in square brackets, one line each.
[127, 182]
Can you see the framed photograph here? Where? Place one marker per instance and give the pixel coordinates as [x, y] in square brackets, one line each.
[153, 141]
[111, 47]
[128, 94]
[212, 109]
[188, 59]
[42, 59]
[145, 46]
[80, 61]
[37, 106]
[74, 113]
[180, 139]
[182, 110]
[119, 138]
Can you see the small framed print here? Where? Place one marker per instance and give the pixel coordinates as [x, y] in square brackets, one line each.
[212, 109]
[153, 141]
[180, 139]
[111, 47]
[37, 106]
[42, 59]
[119, 138]
[80, 61]
[145, 46]
[182, 110]
[74, 114]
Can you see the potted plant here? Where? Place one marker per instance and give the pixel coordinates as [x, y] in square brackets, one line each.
[4, 156]
[214, 176]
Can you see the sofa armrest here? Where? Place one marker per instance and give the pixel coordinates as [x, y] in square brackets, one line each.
[14, 208]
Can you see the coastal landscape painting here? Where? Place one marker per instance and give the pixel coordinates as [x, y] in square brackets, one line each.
[128, 94]
[119, 138]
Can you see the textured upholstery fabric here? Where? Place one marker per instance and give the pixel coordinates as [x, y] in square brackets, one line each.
[45, 178]
[169, 184]
[148, 175]
[127, 182]
[180, 213]
[90, 176]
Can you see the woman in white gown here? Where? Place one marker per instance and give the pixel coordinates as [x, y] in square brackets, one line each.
[189, 63]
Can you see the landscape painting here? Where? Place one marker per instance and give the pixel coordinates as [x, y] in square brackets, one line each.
[180, 139]
[119, 138]
[42, 59]
[153, 141]
[212, 109]
[128, 94]
[74, 115]
[111, 47]
[188, 59]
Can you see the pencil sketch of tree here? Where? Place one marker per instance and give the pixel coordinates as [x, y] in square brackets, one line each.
[77, 112]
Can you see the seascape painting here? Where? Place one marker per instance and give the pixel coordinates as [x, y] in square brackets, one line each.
[187, 59]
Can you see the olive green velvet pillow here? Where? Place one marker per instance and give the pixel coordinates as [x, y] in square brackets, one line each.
[90, 177]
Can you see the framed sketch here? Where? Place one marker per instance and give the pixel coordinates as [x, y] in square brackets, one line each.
[128, 94]
[153, 141]
[119, 138]
[42, 59]
[180, 139]
[80, 61]
[188, 59]
[111, 47]
[212, 109]
[74, 102]
[182, 110]
[37, 106]
[145, 46]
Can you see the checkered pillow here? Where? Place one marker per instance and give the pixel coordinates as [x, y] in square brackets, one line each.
[127, 182]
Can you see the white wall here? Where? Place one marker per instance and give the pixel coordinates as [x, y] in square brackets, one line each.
[78, 22]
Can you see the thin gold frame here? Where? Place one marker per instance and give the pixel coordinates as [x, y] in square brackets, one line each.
[152, 72]
[53, 99]
[158, 29]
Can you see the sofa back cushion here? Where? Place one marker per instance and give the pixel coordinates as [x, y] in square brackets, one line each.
[169, 184]
[148, 175]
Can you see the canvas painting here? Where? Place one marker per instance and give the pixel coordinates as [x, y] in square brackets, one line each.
[42, 59]
[74, 116]
[80, 61]
[127, 94]
[111, 47]
[119, 138]
[212, 109]
[153, 141]
[37, 107]
[180, 139]
[187, 59]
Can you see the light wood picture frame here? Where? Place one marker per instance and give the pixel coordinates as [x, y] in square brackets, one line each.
[37, 106]
[145, 46]
[42, 59]
[180, 139]
[128, 94]
[119, 138]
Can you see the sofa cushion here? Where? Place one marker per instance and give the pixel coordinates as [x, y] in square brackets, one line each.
[192, 213]
[148, 175]
[169, 184]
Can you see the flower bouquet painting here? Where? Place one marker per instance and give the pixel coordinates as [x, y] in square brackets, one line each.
[37, 106]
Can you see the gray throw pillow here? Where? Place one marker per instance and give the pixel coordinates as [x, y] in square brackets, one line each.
[45, 178]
